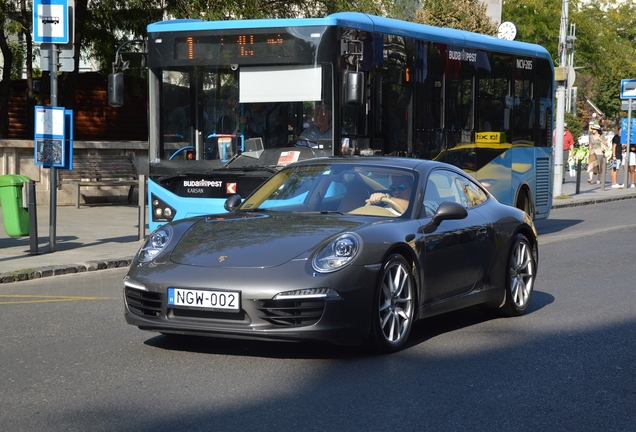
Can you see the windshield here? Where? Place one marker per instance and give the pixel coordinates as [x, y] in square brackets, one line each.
[341, 188]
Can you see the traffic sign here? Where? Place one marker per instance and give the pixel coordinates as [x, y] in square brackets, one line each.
[632, 130]
[50, 21]
[64, 50]
[628, 89]
[64, 64]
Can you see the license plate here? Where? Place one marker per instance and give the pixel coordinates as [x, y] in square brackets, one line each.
[228, 301]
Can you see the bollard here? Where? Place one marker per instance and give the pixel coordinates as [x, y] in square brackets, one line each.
[603, 170]
[578, 176]
[33, 219]
[141, 231]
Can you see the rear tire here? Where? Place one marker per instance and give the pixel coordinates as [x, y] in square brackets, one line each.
[393, 306]
[521, 272]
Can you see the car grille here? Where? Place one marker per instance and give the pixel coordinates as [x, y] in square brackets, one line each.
[143, 302]
[291, 313]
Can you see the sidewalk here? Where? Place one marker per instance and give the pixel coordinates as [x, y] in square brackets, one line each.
[99, 237]
[89, 238]
[591, 193]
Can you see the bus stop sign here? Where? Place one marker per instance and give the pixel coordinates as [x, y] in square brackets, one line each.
[50, 21]
[628, 89]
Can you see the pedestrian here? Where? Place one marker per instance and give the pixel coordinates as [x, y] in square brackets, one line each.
[596, 155]
[617, 158]
[568, 148]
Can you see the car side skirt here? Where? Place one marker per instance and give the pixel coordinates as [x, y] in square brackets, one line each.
[492, 295]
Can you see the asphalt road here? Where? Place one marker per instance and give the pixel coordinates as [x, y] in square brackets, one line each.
[69, 362]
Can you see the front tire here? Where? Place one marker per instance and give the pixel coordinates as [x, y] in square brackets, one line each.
[393, 305]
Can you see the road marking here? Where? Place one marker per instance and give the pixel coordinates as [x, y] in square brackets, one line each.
[45, 299]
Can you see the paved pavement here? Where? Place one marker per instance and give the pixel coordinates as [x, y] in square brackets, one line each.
[86, 239]
[107, 236]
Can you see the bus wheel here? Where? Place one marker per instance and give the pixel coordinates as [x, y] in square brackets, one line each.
[523, 203]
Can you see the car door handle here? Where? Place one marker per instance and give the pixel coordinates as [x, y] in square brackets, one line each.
[482, 233]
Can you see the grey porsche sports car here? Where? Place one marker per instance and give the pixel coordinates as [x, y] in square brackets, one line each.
[336, 249]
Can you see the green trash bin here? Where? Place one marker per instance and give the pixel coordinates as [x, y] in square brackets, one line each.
[14, 213]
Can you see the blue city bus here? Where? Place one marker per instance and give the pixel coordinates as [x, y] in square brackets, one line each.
[230, 102]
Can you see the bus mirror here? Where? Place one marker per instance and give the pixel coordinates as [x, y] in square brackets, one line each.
[116, 89]
[355, 86]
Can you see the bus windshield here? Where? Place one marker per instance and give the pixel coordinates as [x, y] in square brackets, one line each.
[224, 95]
[248, 110]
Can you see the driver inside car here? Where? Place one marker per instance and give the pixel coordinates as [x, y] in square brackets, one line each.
[400, 192]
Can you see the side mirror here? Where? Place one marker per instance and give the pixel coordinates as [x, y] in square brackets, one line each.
[354, 92]
[116, 89]
[232, 203]
[446, 211]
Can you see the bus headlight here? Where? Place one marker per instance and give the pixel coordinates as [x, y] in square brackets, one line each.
[161, 212]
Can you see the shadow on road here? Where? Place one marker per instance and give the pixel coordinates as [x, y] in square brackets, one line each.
[422, 331]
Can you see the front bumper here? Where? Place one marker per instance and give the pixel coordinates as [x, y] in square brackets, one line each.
[346, 318]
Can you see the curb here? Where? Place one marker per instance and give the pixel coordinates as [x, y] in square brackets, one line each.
[30, 274]
[564, 203]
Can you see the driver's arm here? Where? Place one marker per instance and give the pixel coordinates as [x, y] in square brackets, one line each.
[376, 198]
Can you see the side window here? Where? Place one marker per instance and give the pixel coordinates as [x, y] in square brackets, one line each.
[439, 188]
[443, 185]
[470, 194]
[432, 200]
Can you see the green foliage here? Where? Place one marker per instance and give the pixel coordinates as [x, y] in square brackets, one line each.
[19, 53]
[606, 47]
[538, 21]
[575, 125]
[246, 9]
[110, 23]
[467, 15]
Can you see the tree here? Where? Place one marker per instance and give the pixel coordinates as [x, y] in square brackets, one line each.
[7, 16]
[606, 48]
[245, 9]
[538, 21]
[467, 15]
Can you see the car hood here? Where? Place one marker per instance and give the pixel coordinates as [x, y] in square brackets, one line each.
[253, 240]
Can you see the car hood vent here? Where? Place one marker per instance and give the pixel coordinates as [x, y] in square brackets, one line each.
[255, 242]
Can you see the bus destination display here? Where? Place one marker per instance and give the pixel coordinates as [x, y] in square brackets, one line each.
[244, 46]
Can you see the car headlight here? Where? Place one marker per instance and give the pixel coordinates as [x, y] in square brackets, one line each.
[337, 253]
[155, 243]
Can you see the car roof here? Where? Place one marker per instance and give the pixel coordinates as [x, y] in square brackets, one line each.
[422, 165]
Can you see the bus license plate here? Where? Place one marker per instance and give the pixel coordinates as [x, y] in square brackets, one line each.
[228, 301]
